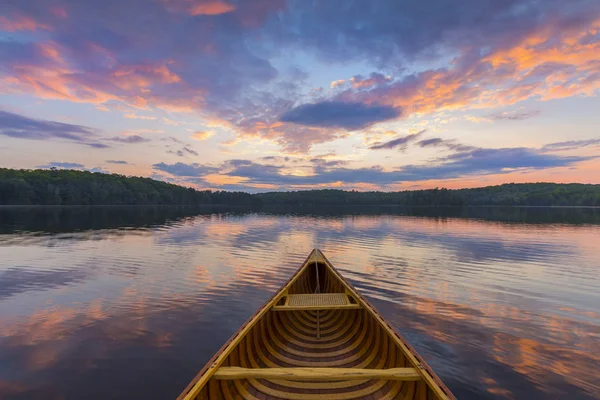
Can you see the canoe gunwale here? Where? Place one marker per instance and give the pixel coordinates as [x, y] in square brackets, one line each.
[428, 375]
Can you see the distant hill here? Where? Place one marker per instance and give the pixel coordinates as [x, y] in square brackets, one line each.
[71, 187]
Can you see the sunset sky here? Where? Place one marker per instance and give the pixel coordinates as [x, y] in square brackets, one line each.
[260, 95]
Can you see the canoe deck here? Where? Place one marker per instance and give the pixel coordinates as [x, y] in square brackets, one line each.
[317, 338]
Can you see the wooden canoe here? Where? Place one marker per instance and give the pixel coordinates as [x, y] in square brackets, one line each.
[316, 338]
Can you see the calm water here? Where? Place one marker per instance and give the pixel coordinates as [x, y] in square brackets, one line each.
[107, 303]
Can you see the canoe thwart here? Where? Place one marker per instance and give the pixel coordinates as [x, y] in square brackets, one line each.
[317, 374]
[316, 301]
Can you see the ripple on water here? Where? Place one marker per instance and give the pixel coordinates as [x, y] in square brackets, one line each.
[499, 310]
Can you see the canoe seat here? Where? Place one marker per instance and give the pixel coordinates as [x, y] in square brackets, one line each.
[316, 301]
[317, 374]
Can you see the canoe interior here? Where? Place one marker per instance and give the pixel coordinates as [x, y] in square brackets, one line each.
[352, 337]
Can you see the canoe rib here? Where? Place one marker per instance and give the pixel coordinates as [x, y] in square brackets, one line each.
[317, 374]
[335, 346]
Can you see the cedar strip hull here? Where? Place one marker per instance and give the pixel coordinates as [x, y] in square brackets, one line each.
[282, 342]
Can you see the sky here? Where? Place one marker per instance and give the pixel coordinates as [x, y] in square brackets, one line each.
[263, 95]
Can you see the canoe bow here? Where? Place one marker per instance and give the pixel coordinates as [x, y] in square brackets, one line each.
[316, 338]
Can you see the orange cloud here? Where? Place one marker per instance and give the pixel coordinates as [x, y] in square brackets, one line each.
[51, 83]
[211, 8]
[171, 122]
[140, 76]
[551, 63]
[135, 116]
[337, 83]
[133, 85]
[201, 135]
[51, 51]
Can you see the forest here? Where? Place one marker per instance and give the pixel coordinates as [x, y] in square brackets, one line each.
[510, 194]
[72, 187]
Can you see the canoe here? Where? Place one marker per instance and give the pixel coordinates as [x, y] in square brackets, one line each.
[316, 338]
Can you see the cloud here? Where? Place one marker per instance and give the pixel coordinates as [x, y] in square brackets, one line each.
[184, 151]
[187, 170]
[171, 139]
[188, 150]
[467, 161]
[117, 162]
[321, 163]
[201, 135]
[19, 126]
[16, 22]
[211, 8]
[447, 143]
[571, 145]
[336, 114]
[514, 116]
[400, 142]
[146, 131]
[135, 116]
[431, 142]
[475, 162]
[475, 119]
[480, 161]
[171, 122]
[375, 79]
[338, 83]
[261, 173]
[129, 139]
[64, 165]
[223, 60]
[503, 72]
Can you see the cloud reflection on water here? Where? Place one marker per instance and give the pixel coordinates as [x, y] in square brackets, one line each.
[500, 310]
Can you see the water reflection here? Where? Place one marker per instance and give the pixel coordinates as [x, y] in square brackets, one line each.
[96, 301]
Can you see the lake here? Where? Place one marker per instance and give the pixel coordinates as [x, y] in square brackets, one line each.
[130, 302]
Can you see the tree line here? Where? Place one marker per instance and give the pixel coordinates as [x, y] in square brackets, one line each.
[72, 187]
[511, 194]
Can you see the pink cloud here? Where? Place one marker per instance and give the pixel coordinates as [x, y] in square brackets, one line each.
[18, 22]
[59, 12]
[139, 85]
[211, 8]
